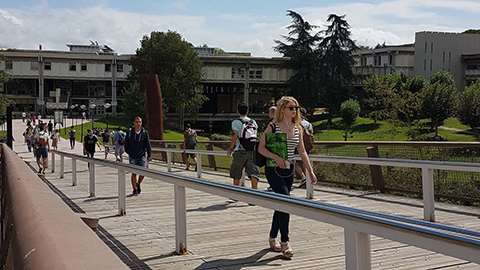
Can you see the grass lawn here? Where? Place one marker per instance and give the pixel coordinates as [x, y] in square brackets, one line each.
[365, 129]
[113, 124]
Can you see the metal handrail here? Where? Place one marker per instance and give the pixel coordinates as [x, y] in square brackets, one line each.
[358, 224]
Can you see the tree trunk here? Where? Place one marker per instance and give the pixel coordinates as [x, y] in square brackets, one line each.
[346, 133]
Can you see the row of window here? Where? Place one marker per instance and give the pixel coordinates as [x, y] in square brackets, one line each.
[239, 73]
[377, 60]
[72, 66]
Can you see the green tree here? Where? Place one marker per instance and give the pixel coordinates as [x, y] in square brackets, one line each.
[336, 63]
[439, 99]
[349, 111]
[472, 31]
[178, 67]
[303, 60]
[134, 102]
[468, 110]
[395, 98]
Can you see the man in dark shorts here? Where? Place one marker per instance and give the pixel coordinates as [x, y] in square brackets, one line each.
[89, 143]
[139, 150]
[106, 141]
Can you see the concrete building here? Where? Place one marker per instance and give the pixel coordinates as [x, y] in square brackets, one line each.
[85, 75]
[385, 60]
[93, 74]
[456, 53]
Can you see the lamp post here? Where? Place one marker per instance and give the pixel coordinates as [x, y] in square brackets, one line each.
[72, 107]
[106, 105]
[92, 107]
[82, 108]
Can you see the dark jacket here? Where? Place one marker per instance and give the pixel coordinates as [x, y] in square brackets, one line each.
[136, 144]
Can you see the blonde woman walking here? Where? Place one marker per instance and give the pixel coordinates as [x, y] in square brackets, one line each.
[287, 120]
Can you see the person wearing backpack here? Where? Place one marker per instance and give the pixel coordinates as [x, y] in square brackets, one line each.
[139, 150]
[308, 142]
[244, 138]
[42, 143]
[190, 142]
[72, 134]
[119, 141]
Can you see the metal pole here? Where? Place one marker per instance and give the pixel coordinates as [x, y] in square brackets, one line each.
[92, 178]
[9, 127]
[62, 166]
[81, 132]
[74, 172]
[180, 220]
[122, 204]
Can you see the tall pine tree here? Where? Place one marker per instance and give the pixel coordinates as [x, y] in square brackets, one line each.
[299, 46]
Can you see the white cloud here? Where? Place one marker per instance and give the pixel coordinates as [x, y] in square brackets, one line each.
[393, 22]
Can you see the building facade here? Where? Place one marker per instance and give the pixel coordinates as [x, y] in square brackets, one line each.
[385, 60]
[85, 75]
[452, 52]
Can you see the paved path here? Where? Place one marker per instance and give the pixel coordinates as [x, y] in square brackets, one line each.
[224, 234]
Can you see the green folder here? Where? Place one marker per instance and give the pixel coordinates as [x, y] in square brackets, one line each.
[277, 144]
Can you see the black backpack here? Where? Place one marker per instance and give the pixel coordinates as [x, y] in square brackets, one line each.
[121, 138]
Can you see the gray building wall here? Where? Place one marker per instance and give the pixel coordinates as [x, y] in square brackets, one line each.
[435, 51]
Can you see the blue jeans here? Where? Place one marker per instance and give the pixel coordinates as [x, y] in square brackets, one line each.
[281, 181]
[141, 161]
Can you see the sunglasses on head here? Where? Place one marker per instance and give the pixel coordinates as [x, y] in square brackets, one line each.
[293, 108]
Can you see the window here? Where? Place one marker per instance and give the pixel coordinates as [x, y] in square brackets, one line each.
[108, 67]
[424, 64]
[390, 59]
[47, 66]
[73, 67]
[471, 66]
[83, 67]
[443, 57]
[379, 60]
[255, 73]
[34, 65]
[119, 67]
[431, 47]
[449, 57]
[8, 65]
[425, 47]
[238, 72]
[431, 64]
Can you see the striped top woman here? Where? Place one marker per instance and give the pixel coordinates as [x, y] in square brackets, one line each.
[287, 120]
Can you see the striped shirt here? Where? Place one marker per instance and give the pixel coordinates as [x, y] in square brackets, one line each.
[291, 142]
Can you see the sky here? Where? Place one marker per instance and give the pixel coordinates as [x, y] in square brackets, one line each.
[238, 26]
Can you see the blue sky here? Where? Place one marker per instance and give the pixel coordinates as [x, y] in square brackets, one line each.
[232, 25]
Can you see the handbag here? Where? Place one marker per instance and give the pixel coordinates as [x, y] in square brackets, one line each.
[259, 159]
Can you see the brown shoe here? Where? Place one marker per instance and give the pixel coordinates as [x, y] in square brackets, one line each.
[287, 251]
[274, 244]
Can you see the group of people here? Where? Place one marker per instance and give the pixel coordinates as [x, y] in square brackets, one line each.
[287, 118]
[37, 137]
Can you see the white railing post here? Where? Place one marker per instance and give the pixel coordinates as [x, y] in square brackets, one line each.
[169, 161]
[62, 166]
[92, 178]
[357, 250]
[74, 172]
[180, 220]
[428, 195]
[199, 165]
[53, 162]
[309, 185]
[122, 203]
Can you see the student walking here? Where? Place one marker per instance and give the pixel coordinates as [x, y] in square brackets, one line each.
[119, 141]
[72, 135]
[55, 139]
[42, 145]
[189, 142]
[89, 143]
[106, 141]
[243, 129]
[50, 127]
[308, 142]
[280, 177]
[271, 116]
[139, 150]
